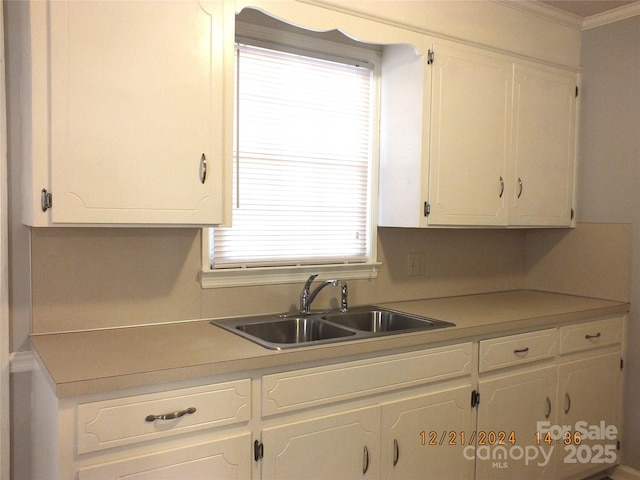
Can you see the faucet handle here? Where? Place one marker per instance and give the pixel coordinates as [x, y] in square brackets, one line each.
[344, 293]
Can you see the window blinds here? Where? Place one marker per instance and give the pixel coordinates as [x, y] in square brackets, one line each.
[301, 176]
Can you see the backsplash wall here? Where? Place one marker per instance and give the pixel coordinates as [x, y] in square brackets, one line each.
[95, 278]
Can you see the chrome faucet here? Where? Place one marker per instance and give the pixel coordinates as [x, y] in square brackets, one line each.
[307, 296]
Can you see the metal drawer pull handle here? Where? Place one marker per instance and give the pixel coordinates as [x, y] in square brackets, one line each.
[520, 184]
[568, 398]
[203, 168]
[501, 187]
[548, 414]
[521, 350]
[365, 465]
[591, 337]
[171, 416]
[396, 452]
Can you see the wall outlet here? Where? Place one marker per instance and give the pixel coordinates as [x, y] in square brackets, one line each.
[415, 264]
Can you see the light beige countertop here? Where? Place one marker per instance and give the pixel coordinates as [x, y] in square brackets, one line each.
[110, 359]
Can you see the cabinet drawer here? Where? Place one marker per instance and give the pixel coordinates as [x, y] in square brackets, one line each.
[574, 338]
[517, 349]
[225, 458]
[127, 420]
[287, 391]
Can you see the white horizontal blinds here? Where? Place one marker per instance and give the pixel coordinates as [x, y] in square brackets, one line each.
[303, 162]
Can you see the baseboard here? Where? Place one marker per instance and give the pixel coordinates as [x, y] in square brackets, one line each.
[622, 472]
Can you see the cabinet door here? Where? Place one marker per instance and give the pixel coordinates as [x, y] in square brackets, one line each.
[470, 137]
[344, 446]
[404, 148]
[514, 404]
[427, 437]
[544, 145]
[589, 395]
[228, 458]
[137, 102]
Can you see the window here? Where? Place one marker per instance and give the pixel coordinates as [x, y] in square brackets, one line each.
[304, 162]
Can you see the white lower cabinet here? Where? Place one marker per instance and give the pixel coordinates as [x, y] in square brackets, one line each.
[418, 395]
[195, 432]
[425, 436]
[562, 408]
[417, 437]
[589, 414]
[589, 397]
[508, 413]
[536, 405]
[344, 445]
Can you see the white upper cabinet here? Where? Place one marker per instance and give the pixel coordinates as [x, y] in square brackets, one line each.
[470, 136]
[404, 144]
[544, 143]
[494, 143]
[139, 113]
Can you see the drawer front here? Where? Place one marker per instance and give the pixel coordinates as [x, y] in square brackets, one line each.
[287, 391]
[517, 349]
[127, 420]
[584, 336]
[225, 459]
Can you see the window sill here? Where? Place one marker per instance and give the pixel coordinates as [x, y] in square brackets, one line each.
[244, 277]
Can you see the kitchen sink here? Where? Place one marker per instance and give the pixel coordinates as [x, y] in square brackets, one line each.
[280, 333]
[291, 330]
[295, 330]
[381, 321]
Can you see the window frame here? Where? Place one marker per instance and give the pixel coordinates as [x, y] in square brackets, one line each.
[291, 41]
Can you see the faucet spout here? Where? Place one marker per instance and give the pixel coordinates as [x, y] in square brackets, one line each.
[307, 296]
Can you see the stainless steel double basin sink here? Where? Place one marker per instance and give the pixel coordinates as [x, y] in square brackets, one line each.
[279, 332]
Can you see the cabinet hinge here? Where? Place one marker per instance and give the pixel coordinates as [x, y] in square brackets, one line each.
[475, 398]
[427, 209]
[46, 200]
[430, 57]
[258, 450]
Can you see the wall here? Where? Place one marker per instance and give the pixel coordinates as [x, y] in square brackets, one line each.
[610, 173]
[65, 279]
[95, 278]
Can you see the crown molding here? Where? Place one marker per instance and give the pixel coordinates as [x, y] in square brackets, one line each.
[612, 16]
[545, 11]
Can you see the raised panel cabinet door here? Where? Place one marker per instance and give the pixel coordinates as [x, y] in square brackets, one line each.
[344, 446]
[228, 458]
[589, 396]
[428, 437]
[544, 143]
[470, 137]
[137, 101]
[513, 404]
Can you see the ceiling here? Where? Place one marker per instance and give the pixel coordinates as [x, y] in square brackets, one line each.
[587, 8]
